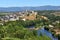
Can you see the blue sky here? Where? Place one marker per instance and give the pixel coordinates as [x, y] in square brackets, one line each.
[22, 3]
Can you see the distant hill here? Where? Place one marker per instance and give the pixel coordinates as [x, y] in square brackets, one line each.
[16, 9]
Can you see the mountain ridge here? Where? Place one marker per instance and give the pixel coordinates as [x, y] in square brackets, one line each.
[15, 9]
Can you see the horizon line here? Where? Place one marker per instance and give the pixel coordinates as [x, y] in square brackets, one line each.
[30, 6]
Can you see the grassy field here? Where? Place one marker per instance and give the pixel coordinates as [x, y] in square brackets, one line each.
[4, 13]
[57, 13]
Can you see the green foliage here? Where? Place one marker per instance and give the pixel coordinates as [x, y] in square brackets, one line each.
[16, 30]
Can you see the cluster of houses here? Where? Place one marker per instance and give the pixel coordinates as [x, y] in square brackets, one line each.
[26, 15]
[29, 16]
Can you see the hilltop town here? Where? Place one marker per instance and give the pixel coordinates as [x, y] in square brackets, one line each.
[31, 15]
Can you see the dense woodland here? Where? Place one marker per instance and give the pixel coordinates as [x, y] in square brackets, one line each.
[17, 30]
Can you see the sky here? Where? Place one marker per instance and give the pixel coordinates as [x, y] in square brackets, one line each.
[22, 3]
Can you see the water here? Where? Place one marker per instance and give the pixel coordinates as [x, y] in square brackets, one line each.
[45, 32]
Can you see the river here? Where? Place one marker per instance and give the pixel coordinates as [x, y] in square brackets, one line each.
[44, 32]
